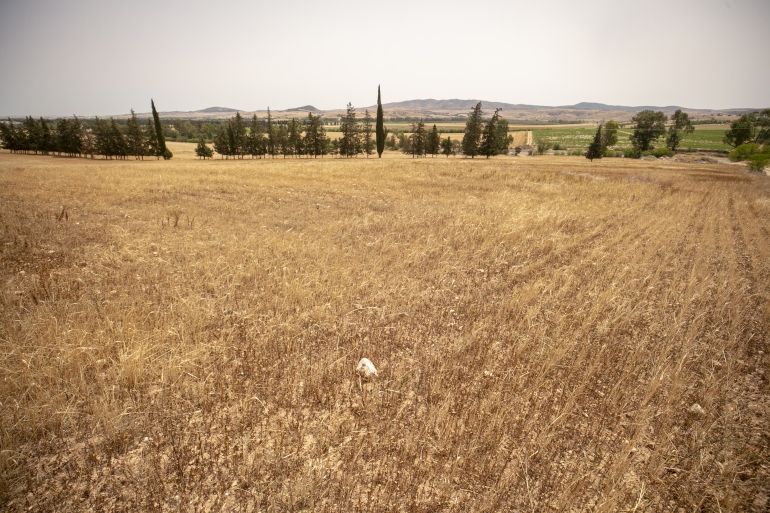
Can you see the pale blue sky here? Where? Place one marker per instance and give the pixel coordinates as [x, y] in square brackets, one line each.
[104, 57]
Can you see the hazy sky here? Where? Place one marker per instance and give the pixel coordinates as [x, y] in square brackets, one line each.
[104, 57]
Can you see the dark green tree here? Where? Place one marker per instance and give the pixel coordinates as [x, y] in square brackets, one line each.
[222, 142]
[418, 139]
[256, 140]
[202, 150]
[433, 143]
[682, 125]
[596, 149]
[151, 141]
[101, 138]
[762, 126]
[294, 137]
[135, 138]
[315, 136]
[46, 138]
[282, 138]
[491, 144]
[239, 141]
[650, 126]
[741, 131]
[609, 135]
[118, 147]
[473, 130]
[10, 136]
[380, 126]
[164, 152]
[350, 142]
[272, 146]
[366, 133]
[446, 146]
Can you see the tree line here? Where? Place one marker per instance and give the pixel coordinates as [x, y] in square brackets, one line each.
[73, 138]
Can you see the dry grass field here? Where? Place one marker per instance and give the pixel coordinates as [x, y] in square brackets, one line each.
[550, 334]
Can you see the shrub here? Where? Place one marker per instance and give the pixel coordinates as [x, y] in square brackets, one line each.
[744, 151]
[557, 147]
[577, 153]
[663, 152]
[632, 153]
[758, 162]
[517, 150]
[542, 146]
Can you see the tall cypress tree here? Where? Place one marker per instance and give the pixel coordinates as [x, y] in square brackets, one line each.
[380, 129]
[164, 152]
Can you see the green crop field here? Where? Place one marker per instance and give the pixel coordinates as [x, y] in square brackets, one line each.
[580, 138]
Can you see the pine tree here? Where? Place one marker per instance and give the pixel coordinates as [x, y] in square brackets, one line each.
[433, 144]
[294, 137]
[315, 136]
[46, 138]
[239, 141]
[380, 129]
[163, 151]
[350, 142]
[282, 139]
[202, 150]
[368, 143]
[473, 131]
[256, 140]
[9, 137]
[222, 143]
[151, 141]
[490, 143]
[116, 141]
[504, 140]
[446, 146]
[101, 136]
[595, 150]
[135, 137]
[271, 135]
[418, 139]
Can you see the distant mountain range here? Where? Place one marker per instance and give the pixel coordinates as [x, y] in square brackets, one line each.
[213, 110]
[456, 104]
[457, 108]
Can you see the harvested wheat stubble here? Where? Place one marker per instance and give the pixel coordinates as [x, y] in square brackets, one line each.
[186, 337]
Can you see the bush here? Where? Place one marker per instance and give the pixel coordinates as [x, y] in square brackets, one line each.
[577, 153]
[663, 152]
[632, 153]
[517, 150]
[744, 151]
[543, 145]
[613, 154]
[557, 147]
[758, 162]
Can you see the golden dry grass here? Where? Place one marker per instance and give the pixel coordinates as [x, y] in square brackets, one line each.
[183, 335]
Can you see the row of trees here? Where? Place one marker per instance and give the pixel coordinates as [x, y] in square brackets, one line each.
[482, 137]
[76, 139]
[266, 138]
